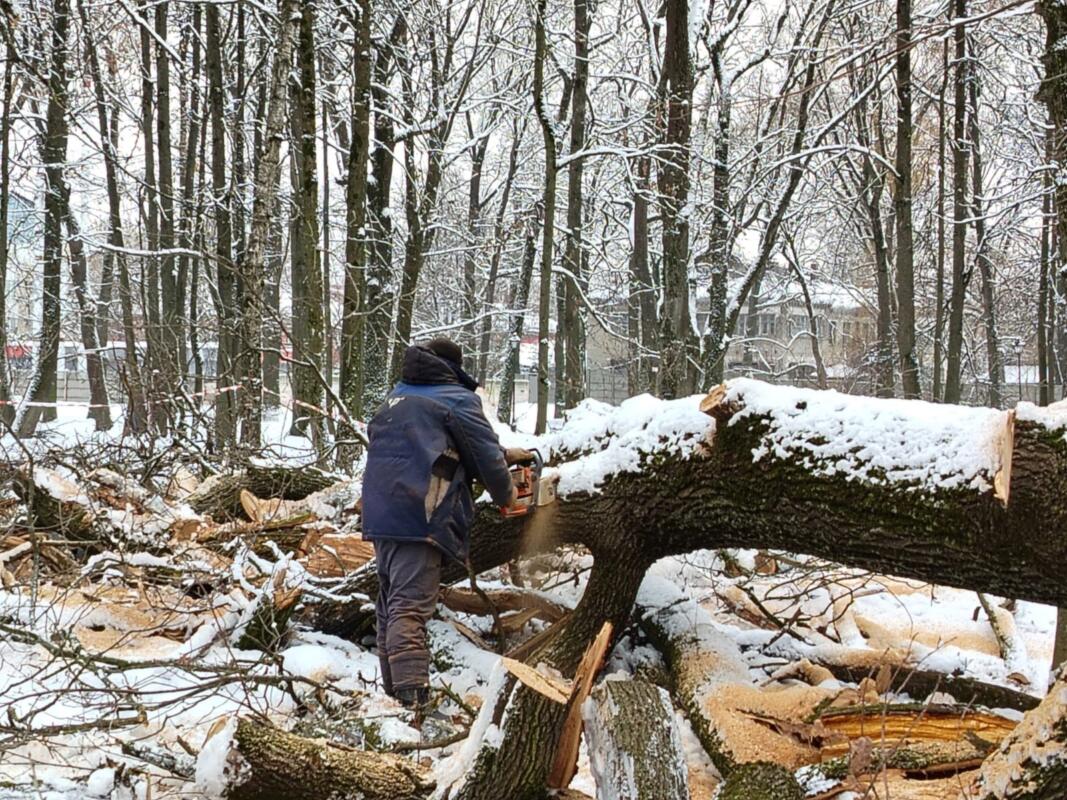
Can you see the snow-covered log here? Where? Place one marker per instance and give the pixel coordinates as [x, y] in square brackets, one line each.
[255, 761]
[975, 498]
[635, 749]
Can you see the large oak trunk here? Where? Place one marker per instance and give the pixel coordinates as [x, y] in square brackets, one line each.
[975, 500]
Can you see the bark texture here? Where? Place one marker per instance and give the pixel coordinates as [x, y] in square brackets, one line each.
[635, 749]
[281, 766]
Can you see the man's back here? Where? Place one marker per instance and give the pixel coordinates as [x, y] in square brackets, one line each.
[428, 441]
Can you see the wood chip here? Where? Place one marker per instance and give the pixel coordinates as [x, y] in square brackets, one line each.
[558, 690]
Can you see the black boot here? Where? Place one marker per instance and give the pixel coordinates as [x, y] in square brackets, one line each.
[413, 697]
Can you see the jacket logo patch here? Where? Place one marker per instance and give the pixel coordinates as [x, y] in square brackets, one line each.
[393, 401]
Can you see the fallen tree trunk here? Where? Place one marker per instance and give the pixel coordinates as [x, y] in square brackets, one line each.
[266, 763]
[220, 495]
[635, 749]
[973, 498]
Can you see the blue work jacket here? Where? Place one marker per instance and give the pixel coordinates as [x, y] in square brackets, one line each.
[428, 442]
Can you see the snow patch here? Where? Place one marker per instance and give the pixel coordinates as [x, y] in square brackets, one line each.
[879, 441]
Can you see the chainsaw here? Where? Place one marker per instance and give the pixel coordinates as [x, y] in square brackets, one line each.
[530, 490]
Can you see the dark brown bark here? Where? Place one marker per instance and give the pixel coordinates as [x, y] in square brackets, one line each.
[170, 336]
[505, 407]
[378, 328]
[905, 249]
[500, 239]
[921, 683]
[7, 410]
[136, 419]
[871, 191]
[676, 330]
[571, 326]
[960, 160]
[939, 289]
[1053, 93]
[353, 338]
[226, 275]
[985, 263]
[716, 341]
[42, 390]
[644, 326]
[253, 266]
[548, 202]
[305, 371]
[99, 403]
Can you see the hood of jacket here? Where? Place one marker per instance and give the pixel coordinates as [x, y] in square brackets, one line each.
[422, 367]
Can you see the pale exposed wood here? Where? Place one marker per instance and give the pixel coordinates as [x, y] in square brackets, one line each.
[469, 602]
[565, 763]
[1002, 480]
[887, 726]
[558, 690]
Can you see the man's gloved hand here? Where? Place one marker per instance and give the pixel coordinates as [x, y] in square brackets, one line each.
[517, 455]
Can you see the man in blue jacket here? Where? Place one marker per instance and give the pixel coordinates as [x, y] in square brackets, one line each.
[428, 442]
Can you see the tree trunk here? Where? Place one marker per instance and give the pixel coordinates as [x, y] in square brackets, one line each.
[959, 211]
[280, 766]
[548, 201]
[506, 406]
[469, 301]
[871, 191]
[985, 263]
[253, 265]
[170, 336]
[353, 336]
[136, 418]
[378, 328]
[1046, 382]
[676, 326]
[305, 372]
[226, 274]
[99, 403]
[500, 239]
[716, 339]
[635, 748]
[190, 207]
[951, 528]
[42, 390]
[572, 388]
[1053, 93]
[7, 409]
[939, 289]
[643, 334]
[905, 250]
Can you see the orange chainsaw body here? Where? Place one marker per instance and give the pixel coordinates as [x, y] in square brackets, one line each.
[525, 477]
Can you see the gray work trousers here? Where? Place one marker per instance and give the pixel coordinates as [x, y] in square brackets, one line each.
[409, 578]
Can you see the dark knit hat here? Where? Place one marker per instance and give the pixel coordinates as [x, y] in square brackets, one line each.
[446, 348]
